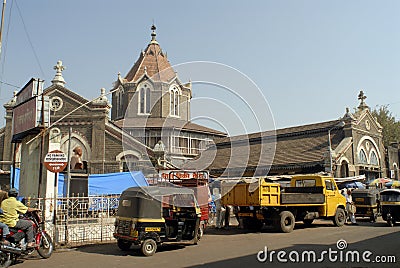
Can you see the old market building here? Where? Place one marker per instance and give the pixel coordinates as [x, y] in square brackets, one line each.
[161, 111]
[349, 146]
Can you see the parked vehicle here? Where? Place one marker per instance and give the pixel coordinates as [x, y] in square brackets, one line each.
[18, 245]
[366, 202]
[308, 197]
[152, 215]
[390, 205]
[198, 182]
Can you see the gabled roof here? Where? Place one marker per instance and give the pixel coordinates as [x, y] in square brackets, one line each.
[288, 148]
[74, 96]
[152, 62]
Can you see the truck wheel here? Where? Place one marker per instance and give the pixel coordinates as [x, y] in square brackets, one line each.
[340, 217]
[286, 222]
[124, 245]
[149, 247]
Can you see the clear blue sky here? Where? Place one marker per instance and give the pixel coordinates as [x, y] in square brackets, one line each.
[309, 58]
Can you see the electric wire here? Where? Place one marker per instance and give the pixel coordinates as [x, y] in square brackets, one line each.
[29, 39]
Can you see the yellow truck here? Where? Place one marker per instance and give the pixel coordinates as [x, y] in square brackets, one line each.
[308, 197]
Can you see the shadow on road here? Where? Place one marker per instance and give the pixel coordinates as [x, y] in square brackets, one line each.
[235, 230]
[383, 247]
[112, 249]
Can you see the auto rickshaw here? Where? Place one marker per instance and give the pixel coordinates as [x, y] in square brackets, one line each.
[366, 202]
[390, 205]
[152, 215]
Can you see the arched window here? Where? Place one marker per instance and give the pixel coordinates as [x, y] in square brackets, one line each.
[362, 157]
[129, 163]
[374, 159]
[120, 103]
[174, 101]
[144, 99]
[344, 169]
[396, 171]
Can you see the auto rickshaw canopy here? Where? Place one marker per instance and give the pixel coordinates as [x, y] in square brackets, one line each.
[390, 195]
[148, 201]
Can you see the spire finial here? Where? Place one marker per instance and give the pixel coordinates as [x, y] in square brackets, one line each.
[362, 98]
[153, 33]
[58, 78]
[102, 100]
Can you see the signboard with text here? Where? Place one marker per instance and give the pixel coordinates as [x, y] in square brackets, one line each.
[55, 161]
[33, 88]
[182, 174]
[28, 117]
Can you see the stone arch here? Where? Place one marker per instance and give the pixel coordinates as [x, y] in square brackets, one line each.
[128, 160]
[375, 146]
[128, 152]
[76, 140]
[361, 154]
[344, 167]
[371, 155]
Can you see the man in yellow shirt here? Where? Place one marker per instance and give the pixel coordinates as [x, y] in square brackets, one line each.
[11, 208]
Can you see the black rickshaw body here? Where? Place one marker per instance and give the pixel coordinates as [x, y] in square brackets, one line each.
[390, 205]
[366, 202]
[151, 215]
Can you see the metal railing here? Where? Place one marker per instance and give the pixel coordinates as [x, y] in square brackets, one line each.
[78, 220]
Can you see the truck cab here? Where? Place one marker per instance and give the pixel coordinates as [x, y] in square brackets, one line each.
[329, 189]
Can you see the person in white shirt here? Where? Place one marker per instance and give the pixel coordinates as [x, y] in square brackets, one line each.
[350, 207]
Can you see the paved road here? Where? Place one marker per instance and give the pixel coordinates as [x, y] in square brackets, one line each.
[236, 248]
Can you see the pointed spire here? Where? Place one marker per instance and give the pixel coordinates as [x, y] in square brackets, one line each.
[153, 34]
[58, 78]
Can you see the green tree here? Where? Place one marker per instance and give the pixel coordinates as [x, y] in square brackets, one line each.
[391, 127]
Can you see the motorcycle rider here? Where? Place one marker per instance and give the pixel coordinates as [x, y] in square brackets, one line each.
[11, 208]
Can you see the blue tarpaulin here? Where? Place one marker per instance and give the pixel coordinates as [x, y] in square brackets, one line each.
[115, 183]
[102, 184]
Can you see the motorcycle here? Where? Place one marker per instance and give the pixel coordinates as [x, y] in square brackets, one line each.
[18, 244]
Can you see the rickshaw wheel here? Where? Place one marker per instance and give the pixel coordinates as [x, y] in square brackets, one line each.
[124, 245]
[149, 247]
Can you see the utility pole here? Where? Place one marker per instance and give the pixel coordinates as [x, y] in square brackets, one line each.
[68, 180]
[2, 24]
